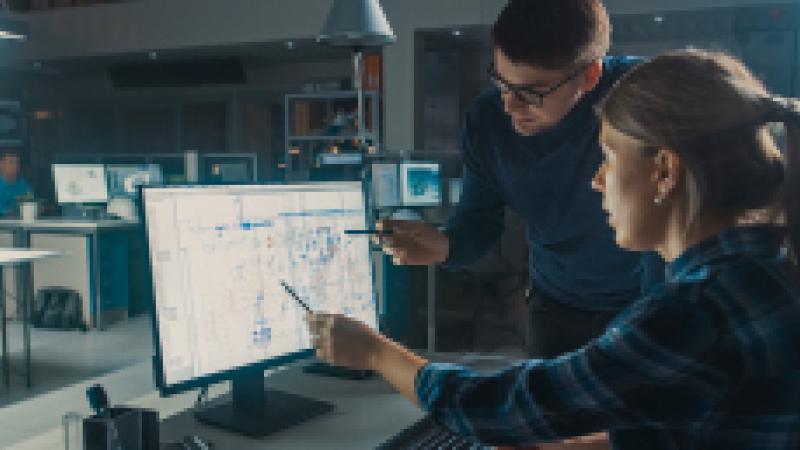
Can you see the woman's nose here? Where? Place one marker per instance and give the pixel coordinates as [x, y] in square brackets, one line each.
[598, 181]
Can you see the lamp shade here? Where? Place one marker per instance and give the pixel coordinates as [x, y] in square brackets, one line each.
[357, 23]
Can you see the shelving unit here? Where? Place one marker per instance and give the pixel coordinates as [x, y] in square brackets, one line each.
[326, 123]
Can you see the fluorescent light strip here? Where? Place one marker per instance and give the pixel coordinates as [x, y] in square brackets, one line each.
[12, 36]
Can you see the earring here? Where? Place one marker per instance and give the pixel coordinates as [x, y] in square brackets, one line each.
[658, 200]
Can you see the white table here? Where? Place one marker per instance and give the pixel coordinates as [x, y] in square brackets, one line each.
[22, 258]
[22, 231]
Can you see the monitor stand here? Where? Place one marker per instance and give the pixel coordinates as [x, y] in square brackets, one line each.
[258, 412]
[90, 212]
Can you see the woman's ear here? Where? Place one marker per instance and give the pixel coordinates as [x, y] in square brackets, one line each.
[591, 76]
[667, 174]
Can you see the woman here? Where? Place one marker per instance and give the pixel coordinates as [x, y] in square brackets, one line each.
[708, 360]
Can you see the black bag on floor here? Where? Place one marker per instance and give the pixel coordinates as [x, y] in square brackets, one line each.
[58, 308]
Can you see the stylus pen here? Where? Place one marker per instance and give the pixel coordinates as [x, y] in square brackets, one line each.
[297, 298]
[369, 232]
[388, 232]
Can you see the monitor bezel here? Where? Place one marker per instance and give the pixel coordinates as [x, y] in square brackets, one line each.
[167, 390]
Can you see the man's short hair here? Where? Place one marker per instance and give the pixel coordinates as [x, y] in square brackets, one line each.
[553, 34]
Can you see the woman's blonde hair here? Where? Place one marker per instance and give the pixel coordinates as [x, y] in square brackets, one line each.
[712, 111]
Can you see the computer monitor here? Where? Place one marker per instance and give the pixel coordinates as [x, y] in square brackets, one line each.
[218, 255]
[124, 179]
[385, 185]
[419, 184]
[80, 183]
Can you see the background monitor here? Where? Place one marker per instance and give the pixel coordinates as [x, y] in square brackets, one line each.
[419, 184]
[125, 179]
[218, 255]
[80, 183]
[385, 185]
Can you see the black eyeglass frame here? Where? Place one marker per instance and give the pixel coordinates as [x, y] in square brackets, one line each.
[525, 93]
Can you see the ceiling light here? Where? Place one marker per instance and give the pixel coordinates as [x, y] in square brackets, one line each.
[11, 29]
[357, 23]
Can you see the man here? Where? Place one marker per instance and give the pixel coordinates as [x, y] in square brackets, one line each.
[12, 185]
[531, 143]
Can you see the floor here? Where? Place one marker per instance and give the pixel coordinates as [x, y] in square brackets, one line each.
[64, 363]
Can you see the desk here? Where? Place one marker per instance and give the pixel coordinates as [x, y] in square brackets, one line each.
[84, 270]
[367, 413]
[23, 258]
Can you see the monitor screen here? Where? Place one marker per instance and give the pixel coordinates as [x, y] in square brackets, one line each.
[218, 255]
[124, 180]
[340, 159]
[80, 183]
[419, 184]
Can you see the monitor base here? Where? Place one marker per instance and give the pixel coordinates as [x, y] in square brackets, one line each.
[258, 412]
[281, 411]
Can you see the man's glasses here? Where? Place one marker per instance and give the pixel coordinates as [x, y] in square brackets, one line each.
[525, 93]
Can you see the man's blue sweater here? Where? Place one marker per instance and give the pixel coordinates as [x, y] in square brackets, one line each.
[546, 179]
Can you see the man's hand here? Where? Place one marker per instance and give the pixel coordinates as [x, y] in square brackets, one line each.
[413, 243]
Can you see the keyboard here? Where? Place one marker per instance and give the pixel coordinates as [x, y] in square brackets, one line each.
[426, 434]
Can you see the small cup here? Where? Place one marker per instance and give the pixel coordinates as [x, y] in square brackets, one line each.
[29, 211]
[73, 430]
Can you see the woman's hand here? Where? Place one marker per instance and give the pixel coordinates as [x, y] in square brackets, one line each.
[344, 341]
[597, 441]
[347, 342]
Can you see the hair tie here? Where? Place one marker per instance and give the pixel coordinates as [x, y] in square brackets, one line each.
[782, 109]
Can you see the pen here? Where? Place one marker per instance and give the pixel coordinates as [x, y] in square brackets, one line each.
[369, 232]
[387, 232]
[297, 298]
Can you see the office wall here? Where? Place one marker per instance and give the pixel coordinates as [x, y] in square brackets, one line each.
[403, 78]
[85, 114]
[173, 24]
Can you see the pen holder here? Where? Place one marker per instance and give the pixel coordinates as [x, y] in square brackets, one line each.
[122, 428]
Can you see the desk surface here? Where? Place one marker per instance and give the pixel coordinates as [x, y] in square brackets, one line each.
[367, 413]
[17, 255]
